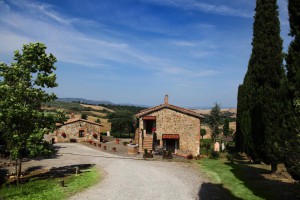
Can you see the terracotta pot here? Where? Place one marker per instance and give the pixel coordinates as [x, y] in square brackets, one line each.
[132, 150]
[117, 141]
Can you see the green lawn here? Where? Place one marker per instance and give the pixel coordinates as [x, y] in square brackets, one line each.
[244, 180]
[49, 188]
[220, 173]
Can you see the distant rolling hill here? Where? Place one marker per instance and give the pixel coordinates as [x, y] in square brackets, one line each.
[86, 101]
[92, 112]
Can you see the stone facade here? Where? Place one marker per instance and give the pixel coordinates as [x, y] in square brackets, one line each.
[77, 130]
[171, 121]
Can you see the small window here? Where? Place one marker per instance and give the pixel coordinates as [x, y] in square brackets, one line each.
[81, 133]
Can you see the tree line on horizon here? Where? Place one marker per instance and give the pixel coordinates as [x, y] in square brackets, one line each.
[268, 121]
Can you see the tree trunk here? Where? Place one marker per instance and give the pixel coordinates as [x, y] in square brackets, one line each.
[273, 167]
[18, 170]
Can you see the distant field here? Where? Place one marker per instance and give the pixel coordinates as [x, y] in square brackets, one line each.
[206, 111]
[93, 112]
[96, 107]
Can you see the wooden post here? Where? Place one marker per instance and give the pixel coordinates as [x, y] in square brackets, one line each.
[77, 170]
[62, 183]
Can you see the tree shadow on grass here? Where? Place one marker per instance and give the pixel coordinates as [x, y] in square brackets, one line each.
[61, 172]
[254, 179]
[211, 191]
[3, 173]
[38, 173]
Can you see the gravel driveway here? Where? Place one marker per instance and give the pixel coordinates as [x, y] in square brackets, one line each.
[129, 178]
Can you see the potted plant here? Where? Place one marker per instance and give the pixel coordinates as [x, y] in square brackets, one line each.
[146, 154]
[95, 135]
[189, 157]
[64, 135]
[167, 154]
[117, 141]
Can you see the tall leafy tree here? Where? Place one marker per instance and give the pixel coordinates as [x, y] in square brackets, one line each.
[22, 84]
[121, 121]
[262, 85]
[292, 124]
[214, 121]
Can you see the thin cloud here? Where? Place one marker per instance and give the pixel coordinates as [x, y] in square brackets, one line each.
[203, 7]
[182, 71]
[74, 47]
[185, 43]
[40, 9]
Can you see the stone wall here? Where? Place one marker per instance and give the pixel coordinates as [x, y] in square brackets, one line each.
[173, 122]
[72, 131]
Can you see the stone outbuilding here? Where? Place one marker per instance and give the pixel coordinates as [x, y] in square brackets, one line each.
[170, 128]
[77, 130]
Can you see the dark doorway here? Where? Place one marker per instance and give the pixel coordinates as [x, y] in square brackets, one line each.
[149, 126]
[171, 144]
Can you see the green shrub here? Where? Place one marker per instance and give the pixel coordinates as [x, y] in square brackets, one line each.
[214, 154]
[84, 116]
[189, 157]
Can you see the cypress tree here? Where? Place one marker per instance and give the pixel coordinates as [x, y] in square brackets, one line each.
[243, 137]
[262, 84]
[292, 123]
[226, 127]
[238, 134]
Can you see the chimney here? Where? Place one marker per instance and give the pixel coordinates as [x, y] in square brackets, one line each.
[166, 99]
[72, 115]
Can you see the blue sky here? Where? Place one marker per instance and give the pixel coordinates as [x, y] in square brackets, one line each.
[136, 51]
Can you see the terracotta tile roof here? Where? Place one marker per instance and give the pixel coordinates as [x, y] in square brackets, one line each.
[169, 106]
[69, 121]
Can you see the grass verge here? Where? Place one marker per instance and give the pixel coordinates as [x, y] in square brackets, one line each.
[244, 180]
[220, 173]
[49, 189]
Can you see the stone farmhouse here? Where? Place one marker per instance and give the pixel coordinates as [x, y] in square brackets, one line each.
[169, 127]
[76, 130]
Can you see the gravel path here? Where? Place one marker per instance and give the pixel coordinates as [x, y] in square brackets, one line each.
[129, 178]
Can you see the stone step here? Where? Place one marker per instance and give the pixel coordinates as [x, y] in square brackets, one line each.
[148, 142]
